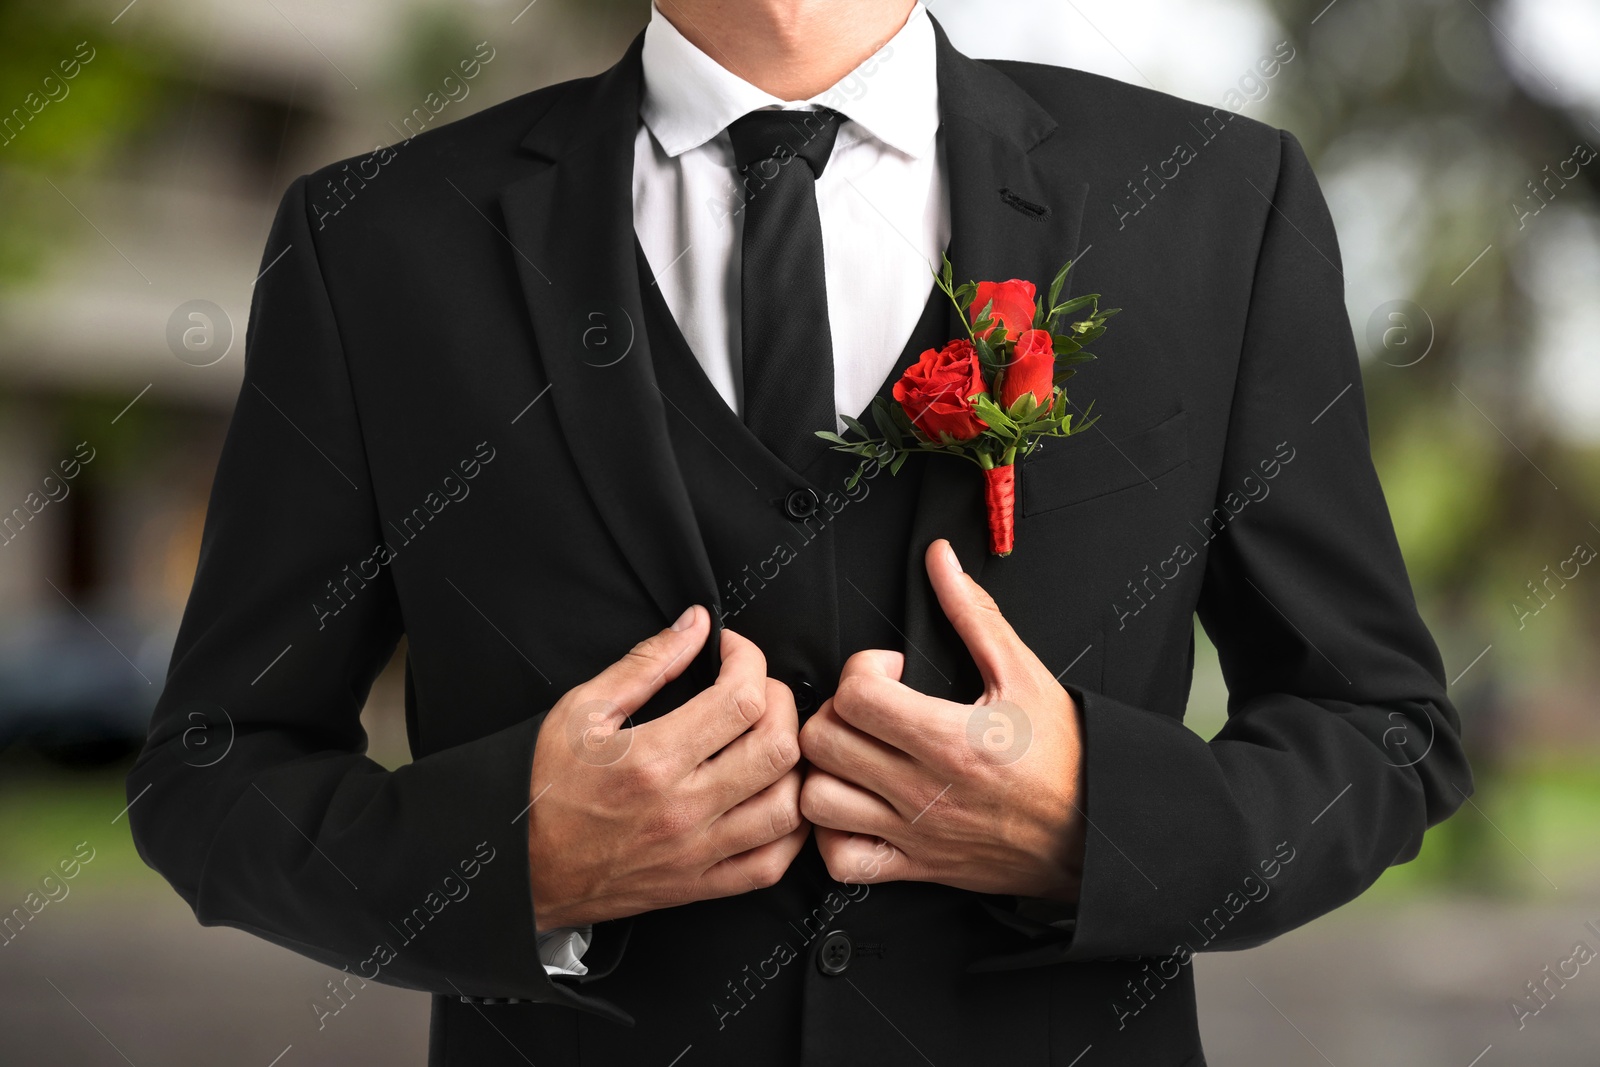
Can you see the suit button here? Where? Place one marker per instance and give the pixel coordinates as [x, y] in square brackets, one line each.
[805, 697]
[800, 504]
[836, 952]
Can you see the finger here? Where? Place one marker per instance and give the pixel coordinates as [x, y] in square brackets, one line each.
[755, 759]
[832, 802]
[769, 815]
[919, 725]
[861, 859]
[830, 744]
[708, 721]
[995, 647]
[622, 688]
[759, 868]
[877, 661]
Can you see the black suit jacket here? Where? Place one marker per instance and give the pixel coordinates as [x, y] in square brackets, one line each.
[449, 429]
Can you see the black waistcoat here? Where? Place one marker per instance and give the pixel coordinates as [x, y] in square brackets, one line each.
[809, 569]
[804, 973]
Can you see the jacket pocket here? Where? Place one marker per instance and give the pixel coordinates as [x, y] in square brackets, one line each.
[1080, 468]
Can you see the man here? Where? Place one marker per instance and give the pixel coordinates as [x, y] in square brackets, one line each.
[547, 384]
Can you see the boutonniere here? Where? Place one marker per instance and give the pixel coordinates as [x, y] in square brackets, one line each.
[990, 397]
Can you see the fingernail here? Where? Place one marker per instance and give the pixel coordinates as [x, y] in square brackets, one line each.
[685, 620]
[955, 561]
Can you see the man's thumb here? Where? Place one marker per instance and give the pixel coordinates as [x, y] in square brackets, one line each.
[632, 680]
[989, 638]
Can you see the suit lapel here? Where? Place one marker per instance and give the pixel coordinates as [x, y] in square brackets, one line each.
[1015, 209]
[1015, 212]
[572, 226]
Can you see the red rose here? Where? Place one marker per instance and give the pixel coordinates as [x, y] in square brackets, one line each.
[934, 391]
[1013, 306]
[1032, 370]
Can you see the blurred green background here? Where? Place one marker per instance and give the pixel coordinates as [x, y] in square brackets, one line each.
[143, 148]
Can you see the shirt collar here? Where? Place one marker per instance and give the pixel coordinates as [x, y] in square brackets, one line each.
[689, 98]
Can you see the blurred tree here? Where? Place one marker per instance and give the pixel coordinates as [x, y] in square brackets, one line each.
[433, 39]
[1423, 90]
[70, 92]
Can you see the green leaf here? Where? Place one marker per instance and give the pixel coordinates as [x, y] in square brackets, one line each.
[986, 354]
[1074, 304]
[899, 461]
[829, 435]
[1059, 280]
[856, 427]
[990, 413]
[885, 424]
[1023, 407]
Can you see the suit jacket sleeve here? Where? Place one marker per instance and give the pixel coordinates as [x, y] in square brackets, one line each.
[254, 796]
[1341, 746]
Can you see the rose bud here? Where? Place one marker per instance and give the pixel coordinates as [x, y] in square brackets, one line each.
[1031, 370]
[1013, 306]
[934, 391]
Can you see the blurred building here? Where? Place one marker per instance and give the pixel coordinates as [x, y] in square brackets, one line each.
[121, 351]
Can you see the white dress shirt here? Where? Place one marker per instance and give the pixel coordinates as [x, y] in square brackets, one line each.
[881, 198]
[882, 202]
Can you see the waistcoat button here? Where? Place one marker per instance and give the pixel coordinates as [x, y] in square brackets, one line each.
[800, 504]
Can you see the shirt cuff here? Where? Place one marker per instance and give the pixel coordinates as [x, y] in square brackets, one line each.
[561, 950]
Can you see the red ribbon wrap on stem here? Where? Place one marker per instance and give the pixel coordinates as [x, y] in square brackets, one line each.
[1000, 497]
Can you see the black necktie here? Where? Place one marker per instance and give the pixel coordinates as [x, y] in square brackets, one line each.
[786, 343]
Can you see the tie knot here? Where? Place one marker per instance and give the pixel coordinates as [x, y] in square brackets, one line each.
[783, 135]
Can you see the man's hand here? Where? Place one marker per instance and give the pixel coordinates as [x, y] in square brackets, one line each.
[700, 803]
[982, 797]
